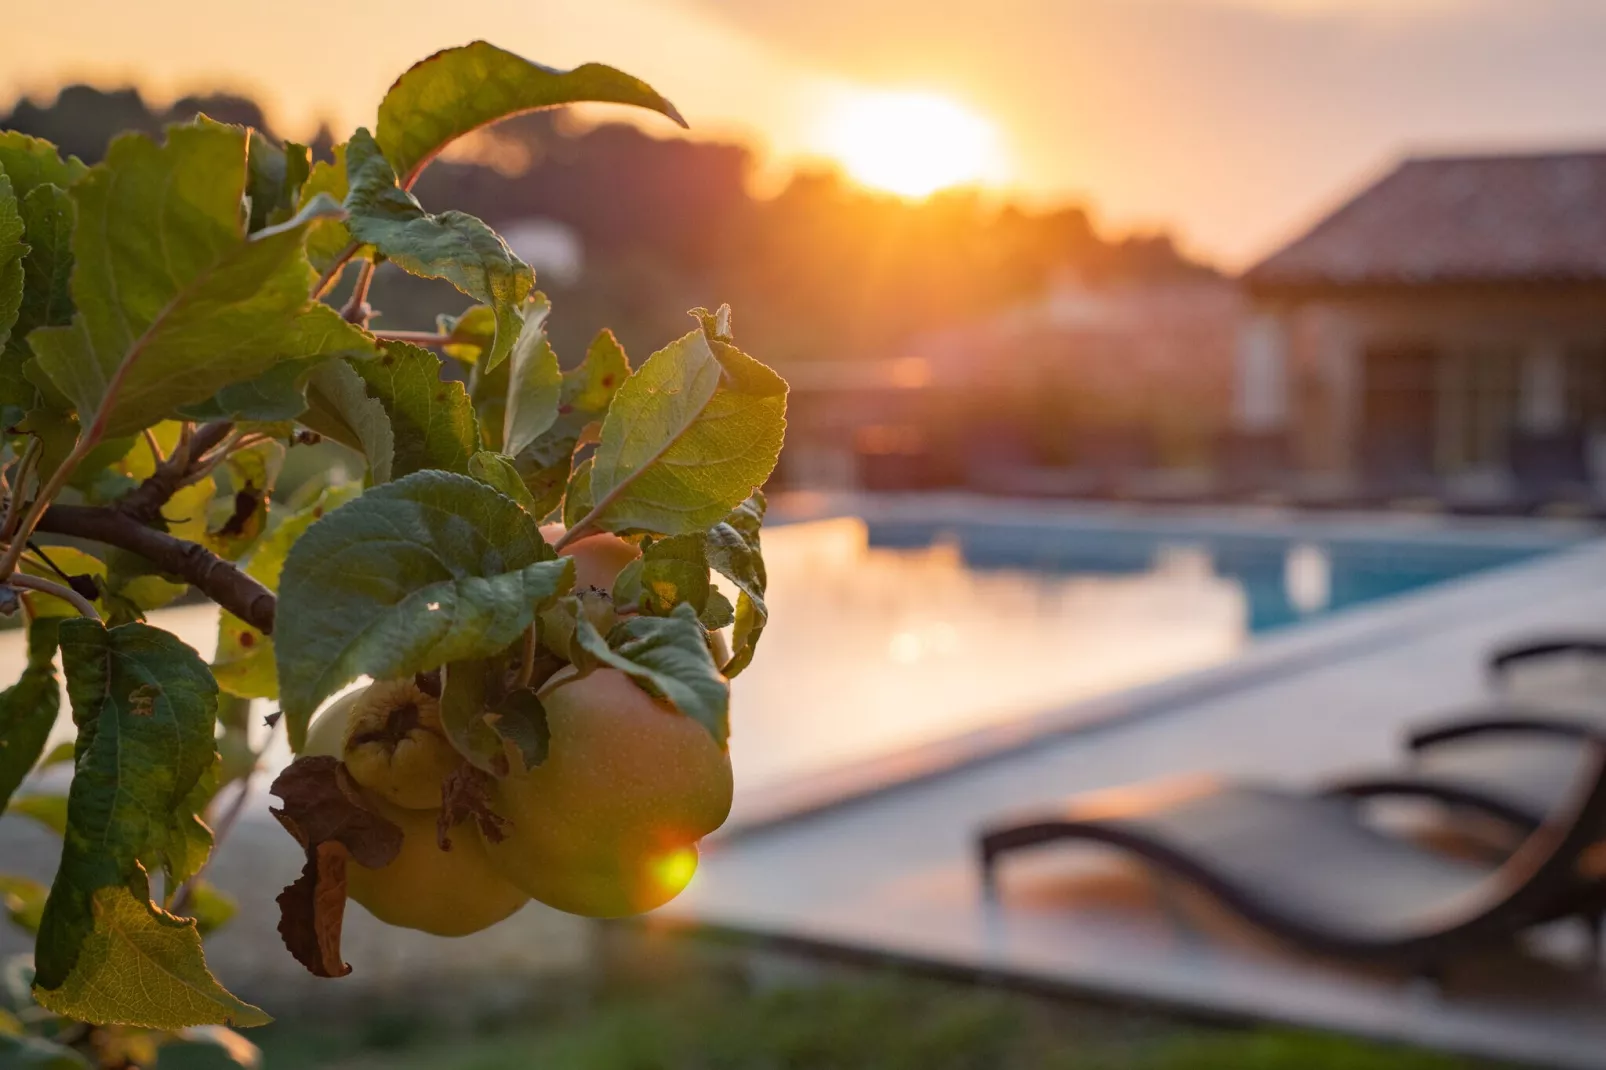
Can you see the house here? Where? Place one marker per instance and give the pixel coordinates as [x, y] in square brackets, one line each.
[1444, 332]
[1117, 376]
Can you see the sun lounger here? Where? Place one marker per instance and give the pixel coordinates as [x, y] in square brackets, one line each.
[1310, 870]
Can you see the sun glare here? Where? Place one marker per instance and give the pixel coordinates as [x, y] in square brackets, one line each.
[912, 144]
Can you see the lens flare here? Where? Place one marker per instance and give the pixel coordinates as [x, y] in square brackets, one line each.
[674, 870]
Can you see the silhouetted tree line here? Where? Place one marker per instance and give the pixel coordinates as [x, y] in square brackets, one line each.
[822, 270]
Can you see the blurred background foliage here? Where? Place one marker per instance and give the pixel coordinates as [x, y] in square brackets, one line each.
[630, 230]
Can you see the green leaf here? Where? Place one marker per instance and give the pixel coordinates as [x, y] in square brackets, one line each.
[141, 966]
[12, 250]
[717, 614]
[49, 810]
[461, 89]
[668, 657]
[520, 719]
[181, 845]
[577, 496]
[145, 706]
[173, 301]
[339, 408]
[468, 336]
[588, 390]
[274, 178]
[47, 214]
[693, 432]
[465, 696]
[28, 709]
[535, 382]
[583, 402]
[244, 664]
[453, 246]
[673, 571]
[432, 568]
[329, 237]
[24, 901]
[34, 1053]
[31, 162]
[431, 419]
[495, 470]
[280, 393]
[733, 552]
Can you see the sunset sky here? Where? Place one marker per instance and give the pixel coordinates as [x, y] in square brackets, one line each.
[1233, 122]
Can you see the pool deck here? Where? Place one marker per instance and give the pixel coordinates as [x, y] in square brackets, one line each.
[877, 860]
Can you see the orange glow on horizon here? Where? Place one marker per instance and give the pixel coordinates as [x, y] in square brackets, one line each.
[912, 144]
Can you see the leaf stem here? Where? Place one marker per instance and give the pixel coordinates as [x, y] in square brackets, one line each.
[422, 338]
[41, 502]
[579, 531]
[19, 488]
[154, 446]
[328, 278]
[84, 607]
[527, 662]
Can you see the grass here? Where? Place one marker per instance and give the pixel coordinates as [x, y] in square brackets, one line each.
[875, 1022]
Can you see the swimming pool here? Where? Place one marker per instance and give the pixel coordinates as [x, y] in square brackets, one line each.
[896, 628]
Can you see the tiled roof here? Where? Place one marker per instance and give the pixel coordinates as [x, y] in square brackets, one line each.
[1459, 219]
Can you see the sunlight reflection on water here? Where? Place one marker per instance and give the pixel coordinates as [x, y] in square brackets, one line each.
[870, 650]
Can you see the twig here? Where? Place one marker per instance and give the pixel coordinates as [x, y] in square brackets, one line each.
[144, 503]
[84, 607]
[225, 825]
[204, 467]
[154, 446]
[356, 309]
[214, 577]
[327, 279]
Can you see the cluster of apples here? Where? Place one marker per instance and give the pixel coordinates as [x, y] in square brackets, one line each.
[606, 826]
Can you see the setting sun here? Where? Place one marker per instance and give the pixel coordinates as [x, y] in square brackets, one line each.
[912, 144]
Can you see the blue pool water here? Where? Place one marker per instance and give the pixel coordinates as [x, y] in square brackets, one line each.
[1269, 566]
[902, 626]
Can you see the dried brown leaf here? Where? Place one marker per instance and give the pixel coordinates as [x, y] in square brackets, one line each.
[465, 796]
[324, 804]
[312, 911]
[324, 811]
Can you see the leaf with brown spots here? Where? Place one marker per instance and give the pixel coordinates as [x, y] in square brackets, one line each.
[432, 419]
[324, 811]
[251, 472]
[142, 700]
